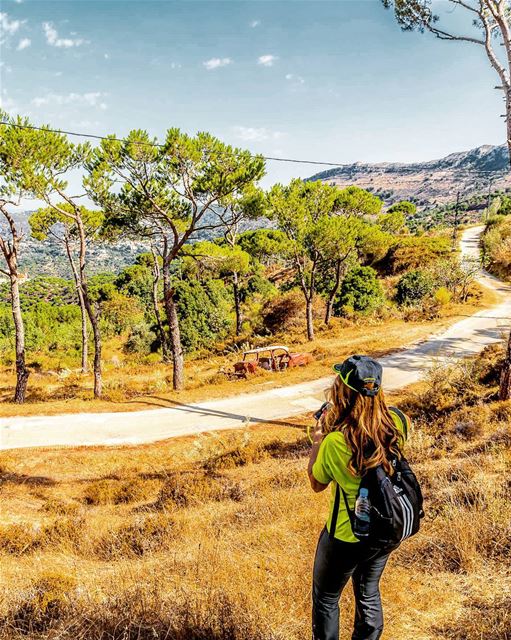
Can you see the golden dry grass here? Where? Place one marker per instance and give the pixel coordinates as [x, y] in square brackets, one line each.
[212, 537]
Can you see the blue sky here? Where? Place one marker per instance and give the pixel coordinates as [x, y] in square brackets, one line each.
[334, 81]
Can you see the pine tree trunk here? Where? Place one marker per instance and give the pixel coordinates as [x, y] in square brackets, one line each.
[505, 376]
[508, 122]
[237, 304]
[310, 322]
[161, 332]
[94, 320]
[83, 310]
[176, 347]
[333, 292]
[91, 312]
[165, 351]
[98, 378]
[85, 336]
[9, 250]
[22, 372]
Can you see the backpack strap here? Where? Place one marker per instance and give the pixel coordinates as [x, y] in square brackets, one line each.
[335, 510]
[402, 419]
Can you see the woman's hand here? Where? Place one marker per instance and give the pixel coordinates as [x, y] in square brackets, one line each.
[317, 439]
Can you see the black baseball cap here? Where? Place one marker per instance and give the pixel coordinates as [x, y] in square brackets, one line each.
[362, 374]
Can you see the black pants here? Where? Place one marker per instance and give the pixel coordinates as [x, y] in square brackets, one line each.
[335, 563]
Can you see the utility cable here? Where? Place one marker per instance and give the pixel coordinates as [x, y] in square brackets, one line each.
[93, 136]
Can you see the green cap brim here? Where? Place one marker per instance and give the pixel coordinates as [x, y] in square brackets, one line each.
[337, 368]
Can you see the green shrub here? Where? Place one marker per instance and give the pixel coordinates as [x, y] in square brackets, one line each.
[204, 310]
[142, 339]
[360, 291]
[413, 287]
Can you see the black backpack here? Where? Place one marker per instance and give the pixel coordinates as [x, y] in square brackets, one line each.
[396, 501]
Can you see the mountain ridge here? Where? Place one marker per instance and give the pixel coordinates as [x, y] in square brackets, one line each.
[430, 182]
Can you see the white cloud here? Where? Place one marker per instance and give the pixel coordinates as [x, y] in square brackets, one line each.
[52, 38]
[294, 78]
[175, 65]
[256, 134]
[8, 27]
[106, 56]
[255, 23]
[24, 43]
[91, 99]
[267, 60]
[18, 1]
[215, 63]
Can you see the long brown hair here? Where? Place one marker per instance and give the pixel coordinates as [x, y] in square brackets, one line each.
[364, 421]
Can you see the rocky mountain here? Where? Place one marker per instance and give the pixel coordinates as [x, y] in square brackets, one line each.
[429, 183]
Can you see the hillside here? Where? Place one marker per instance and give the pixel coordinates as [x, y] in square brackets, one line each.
[48, 258]
[428, 183]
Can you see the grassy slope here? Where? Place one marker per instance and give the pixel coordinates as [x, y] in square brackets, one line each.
[212, 537]
[135, 386]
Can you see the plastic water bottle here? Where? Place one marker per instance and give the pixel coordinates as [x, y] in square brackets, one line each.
[362, 514]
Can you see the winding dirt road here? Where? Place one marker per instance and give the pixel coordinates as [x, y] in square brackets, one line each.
[464, 338]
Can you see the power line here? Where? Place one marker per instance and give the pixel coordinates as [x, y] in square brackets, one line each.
[93, 136]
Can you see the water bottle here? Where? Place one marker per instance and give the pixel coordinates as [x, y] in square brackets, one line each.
[362, 514]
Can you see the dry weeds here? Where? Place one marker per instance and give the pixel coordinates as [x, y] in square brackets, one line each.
[212, 537]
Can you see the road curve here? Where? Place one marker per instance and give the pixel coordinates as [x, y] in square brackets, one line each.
[464, 338]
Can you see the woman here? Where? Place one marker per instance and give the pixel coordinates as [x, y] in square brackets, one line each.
[356, 432]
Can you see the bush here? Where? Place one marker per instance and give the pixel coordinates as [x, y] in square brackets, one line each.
[141, 339]
[204, 310]
[109, 491]
[191, 489]
[413, 287]
[414, 252]
[67, 532]
[17, 539]
[61, 507]
[360, 291]
[496, 244]
[146, 535]
[482, 619]
[46, 603]
[286, 313]
[239, 457]
[443, 296]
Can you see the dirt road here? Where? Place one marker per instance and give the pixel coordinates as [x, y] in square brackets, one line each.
[464, 338]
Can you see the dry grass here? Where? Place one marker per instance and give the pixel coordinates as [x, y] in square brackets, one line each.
[212, 537]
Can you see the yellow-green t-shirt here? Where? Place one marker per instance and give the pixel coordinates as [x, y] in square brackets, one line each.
[332, 466]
